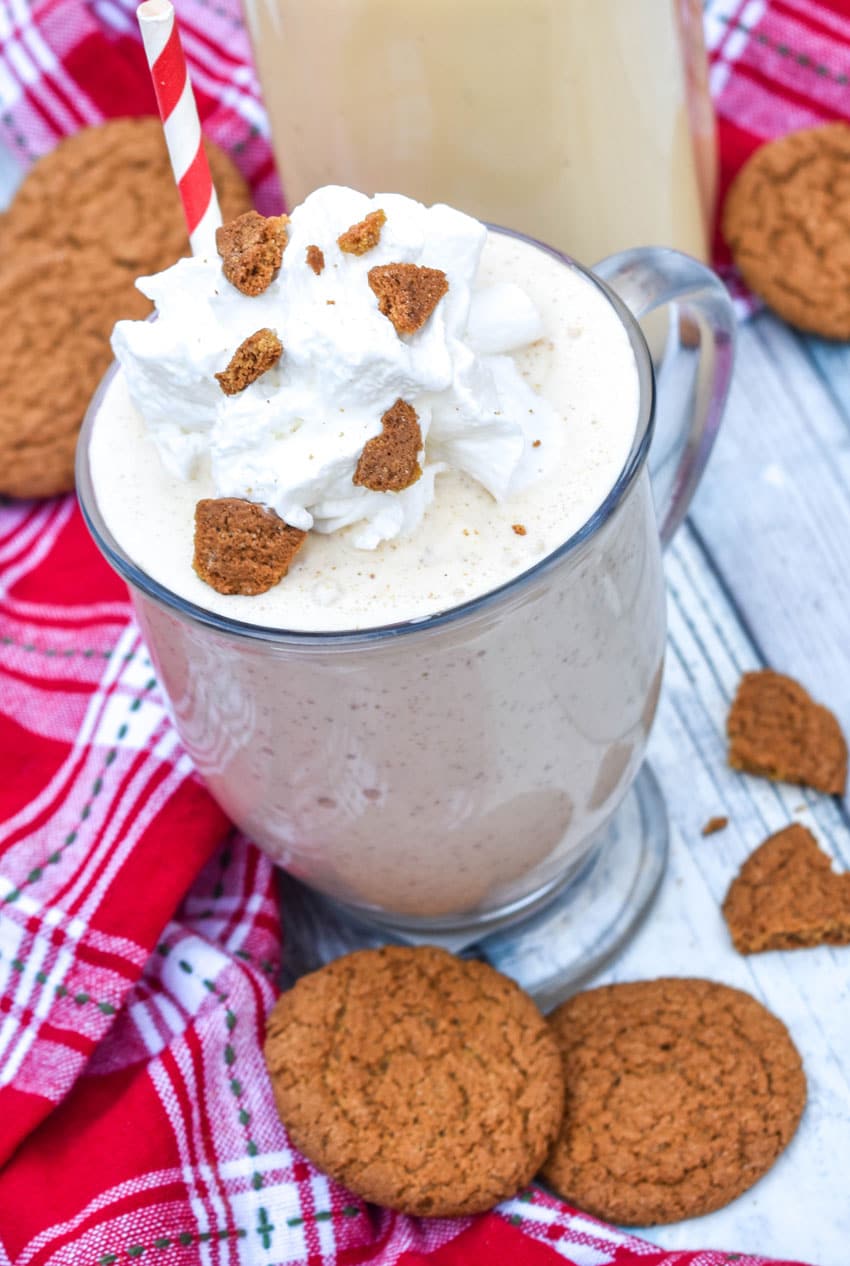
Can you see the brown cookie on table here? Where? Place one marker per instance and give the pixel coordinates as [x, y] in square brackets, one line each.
[90, 217]
[680, 1094]
[777, 730]
[787, 896]
[423, 1082]
[787, 221]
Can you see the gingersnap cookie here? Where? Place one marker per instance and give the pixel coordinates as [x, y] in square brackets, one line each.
[787, 896]
[787, 221]
[90, 217]
[777, 730]
[423, 1082]
[680, 1094]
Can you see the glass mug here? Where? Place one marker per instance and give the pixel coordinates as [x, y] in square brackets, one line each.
[450, 774]
[585, 123]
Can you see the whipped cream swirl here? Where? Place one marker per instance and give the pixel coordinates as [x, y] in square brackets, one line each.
[292, 439]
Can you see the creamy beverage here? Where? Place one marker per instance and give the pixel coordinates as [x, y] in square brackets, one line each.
[585, 123]
[460, 767]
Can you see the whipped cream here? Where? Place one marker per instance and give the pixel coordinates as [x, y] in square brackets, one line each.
[292, 439]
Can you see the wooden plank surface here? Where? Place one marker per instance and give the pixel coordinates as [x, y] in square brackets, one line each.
[760, 575]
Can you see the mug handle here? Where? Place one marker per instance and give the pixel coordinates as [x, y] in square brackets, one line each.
[692, 379]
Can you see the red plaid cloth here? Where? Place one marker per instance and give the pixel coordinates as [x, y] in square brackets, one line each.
[139, 936]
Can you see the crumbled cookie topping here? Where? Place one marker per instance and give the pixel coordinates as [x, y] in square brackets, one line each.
[362, 237]
[251, 247]
[315, 259]
[407, 293]
[242, 548]
[257, 353]
[389, 462]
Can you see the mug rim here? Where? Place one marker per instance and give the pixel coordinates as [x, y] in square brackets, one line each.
[464, 612]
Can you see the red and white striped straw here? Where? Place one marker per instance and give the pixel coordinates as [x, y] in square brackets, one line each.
[179, 115]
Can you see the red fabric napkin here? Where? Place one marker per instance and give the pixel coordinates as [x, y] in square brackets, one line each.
[139, 935]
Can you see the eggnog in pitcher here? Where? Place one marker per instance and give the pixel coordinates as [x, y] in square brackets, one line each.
[584, 123]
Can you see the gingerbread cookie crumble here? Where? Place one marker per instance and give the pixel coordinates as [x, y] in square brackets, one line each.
[407, 294]
[241, 547]
[713, 825]
[776, 729]
[680, 1094]
[787, 896]
[389, 462]
[257, 353]
[424, 1082]
[519, 528]
[315, 258]
[362, 237]
[251, 247]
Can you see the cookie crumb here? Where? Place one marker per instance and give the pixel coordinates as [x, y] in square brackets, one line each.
[241, 547]
[407, 294]
[536, 444]
[257, 353]
[713, 825]
[519, 528]
[389, 462]
[777, 730]
[787, 896]
[251, 247]
[365, 235]
[315, 258]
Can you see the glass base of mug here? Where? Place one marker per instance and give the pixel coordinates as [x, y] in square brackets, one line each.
[566, 935]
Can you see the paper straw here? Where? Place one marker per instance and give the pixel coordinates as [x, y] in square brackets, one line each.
[179, 115]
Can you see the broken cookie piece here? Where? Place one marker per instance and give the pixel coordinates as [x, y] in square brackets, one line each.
[787, 896]
[241, 547]
[407, 293]
[251, 247]
[713, 825]
[250, 361]
[362, 237]
[315, 259]
[389, 462]
[776, 729]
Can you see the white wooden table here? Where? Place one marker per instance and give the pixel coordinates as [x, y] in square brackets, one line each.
[760, 574]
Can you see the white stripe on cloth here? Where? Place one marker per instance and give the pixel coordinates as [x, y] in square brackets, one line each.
[28, 986]
[59, 514]
[136, 1186]
[20, 540]
[57, 788]
[738, 25]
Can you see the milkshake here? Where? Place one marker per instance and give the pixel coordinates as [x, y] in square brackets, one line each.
[434, 713]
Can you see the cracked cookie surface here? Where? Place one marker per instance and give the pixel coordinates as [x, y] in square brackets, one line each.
[787, 222]
[423, 1082]
[680, 1094]
[89, 218]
